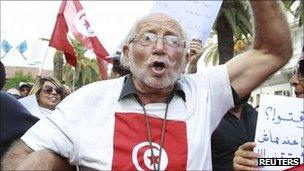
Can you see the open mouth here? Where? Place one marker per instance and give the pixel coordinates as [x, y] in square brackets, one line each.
[158, 67]
[53, 99]
[298, 94]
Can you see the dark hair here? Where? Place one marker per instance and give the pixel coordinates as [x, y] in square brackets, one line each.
[118, 68]
[24, 85]
[40, 82]
[2, 75]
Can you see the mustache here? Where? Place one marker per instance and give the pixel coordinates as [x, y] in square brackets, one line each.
[164, 61]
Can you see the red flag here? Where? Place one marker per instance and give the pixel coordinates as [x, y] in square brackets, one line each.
[72, 17]
[132, 149]
[296, 168]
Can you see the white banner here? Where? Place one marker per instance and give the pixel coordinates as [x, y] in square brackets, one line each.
[196, 17]
[280, 129]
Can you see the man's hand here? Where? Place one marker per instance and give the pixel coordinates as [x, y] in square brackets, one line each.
[195, 52]
[245, 158]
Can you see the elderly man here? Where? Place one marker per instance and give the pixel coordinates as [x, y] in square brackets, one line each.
[245, 158]
[156, 118]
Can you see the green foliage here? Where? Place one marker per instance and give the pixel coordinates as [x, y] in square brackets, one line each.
[86, 71]
[19, 77]
[211, 54]
[237, 13]
[296, 8]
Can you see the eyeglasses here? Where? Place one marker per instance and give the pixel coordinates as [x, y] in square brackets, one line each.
[49, 89]
[147, 39]
[299, 70]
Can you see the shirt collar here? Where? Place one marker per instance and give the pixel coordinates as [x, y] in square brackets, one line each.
[129, 89]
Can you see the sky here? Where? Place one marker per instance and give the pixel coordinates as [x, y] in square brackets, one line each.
[31, 20]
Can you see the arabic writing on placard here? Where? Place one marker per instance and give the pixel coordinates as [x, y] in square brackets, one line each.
[280, 128]
[270, 112]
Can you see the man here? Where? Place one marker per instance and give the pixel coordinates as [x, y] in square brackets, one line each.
[236, 128]
[245, 158]
[156, 118]
[14, 118]
[195, 52]
[24, 89]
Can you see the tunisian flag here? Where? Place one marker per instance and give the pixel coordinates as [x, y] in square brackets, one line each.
[72, 17]
[132, 147]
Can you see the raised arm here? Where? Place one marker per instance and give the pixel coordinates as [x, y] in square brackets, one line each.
[21, 157]
[196, 51]
[271, 49]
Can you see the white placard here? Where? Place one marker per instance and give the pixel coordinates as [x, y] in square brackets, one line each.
[196, 17]
[280, 129]
[30, 103]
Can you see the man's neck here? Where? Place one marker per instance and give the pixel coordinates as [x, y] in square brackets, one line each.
[149, 94]
[237, 111]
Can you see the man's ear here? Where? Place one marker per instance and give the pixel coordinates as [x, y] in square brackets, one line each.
[125, 51]
[125, 56]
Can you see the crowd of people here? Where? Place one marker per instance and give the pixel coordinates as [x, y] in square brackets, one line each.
[156, 113]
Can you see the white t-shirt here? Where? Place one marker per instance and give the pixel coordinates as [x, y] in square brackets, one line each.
[94, 129]
[44, 112]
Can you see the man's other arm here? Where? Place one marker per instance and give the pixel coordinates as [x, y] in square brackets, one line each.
[271, 49]
[21, 157]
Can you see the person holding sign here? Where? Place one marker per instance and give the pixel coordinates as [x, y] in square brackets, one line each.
[237, 127]
[156, 118]
[297, 79]
[245, 158]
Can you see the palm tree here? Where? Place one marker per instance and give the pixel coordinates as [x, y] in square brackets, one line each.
[233, 30]
[58, 62]
[232, 25]
[58, 65]
[296, 8]
[86, 70]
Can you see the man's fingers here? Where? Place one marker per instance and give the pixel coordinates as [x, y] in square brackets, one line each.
[245, 158]
[245, 161]
[246, 154]
[248, 146]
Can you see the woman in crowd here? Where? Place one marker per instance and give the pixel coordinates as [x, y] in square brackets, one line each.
[49, 92]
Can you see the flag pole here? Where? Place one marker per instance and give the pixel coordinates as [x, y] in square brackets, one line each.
[74, 75]
[42, 64]
[3, 56]
[23, 56]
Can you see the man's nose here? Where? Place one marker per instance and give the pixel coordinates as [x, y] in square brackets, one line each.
[294, 80]
[159, 46]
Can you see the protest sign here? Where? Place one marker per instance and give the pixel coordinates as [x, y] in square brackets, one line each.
[280, 131]
[196, 17]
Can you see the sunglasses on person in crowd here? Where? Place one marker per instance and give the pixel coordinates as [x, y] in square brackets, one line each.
[49, 89]
[299, 70]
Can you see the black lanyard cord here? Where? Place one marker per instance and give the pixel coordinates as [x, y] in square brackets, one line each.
[149, 132]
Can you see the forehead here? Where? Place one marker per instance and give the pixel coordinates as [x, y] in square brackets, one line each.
[48, 83]
[160, 23]
[24, 88]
